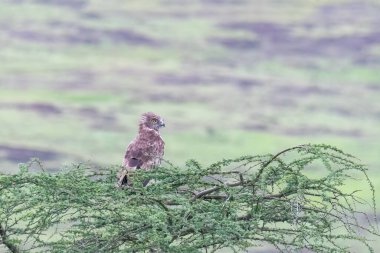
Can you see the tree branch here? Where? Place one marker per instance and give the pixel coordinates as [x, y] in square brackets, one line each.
[5, 240]
[276, 203]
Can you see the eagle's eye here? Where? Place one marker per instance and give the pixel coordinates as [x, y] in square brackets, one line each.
[154, 121]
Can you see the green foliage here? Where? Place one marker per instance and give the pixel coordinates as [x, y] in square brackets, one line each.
[234, 203]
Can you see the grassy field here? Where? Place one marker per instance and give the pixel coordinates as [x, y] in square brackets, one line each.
[229, 77]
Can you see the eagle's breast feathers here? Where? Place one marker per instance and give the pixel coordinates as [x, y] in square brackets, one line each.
[145, 151]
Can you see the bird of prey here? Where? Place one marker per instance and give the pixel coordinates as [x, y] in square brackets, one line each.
[145, 151]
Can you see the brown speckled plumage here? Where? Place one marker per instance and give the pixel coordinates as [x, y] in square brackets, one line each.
[145, 151]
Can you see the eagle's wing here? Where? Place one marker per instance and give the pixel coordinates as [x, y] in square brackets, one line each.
[141, 153]
[132, 160]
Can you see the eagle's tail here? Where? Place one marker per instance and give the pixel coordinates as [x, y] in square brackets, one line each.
[124, 179]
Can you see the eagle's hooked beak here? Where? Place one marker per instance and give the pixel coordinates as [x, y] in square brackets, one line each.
[162, 123]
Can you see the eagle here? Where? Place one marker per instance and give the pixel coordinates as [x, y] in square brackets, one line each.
[145, 151]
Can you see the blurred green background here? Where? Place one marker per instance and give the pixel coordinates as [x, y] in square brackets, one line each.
[230, 77]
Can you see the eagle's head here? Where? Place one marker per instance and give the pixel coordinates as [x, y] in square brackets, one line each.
[152, 121]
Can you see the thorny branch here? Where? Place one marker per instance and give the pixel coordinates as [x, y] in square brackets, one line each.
[234, 203]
